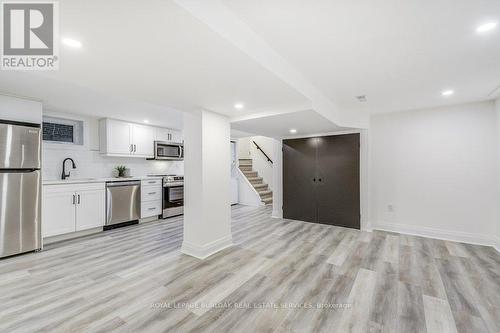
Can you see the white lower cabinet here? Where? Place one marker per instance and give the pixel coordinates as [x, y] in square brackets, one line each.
[90, 209]
[151, 198]
[58, 211]
[68, 208]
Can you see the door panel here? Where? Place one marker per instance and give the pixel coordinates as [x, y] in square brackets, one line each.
[20, 212]
[19, 147]
[143, 138]
[176, 136]
[90, 210]
[299, 195]
[338, 184]
[119, 137]
[162, 134]
[58, 211]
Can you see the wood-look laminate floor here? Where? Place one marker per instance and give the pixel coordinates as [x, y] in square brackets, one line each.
[282, 276]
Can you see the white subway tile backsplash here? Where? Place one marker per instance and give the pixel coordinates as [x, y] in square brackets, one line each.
[90, 164]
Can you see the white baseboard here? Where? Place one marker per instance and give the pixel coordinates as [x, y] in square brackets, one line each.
[277, 214]
[251, 203]
[497, 243]
[148, 219]
[455, 236]
[202, 252]
[71, 235]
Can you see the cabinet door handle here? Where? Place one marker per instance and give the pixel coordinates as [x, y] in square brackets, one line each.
[78, 198]
[319, 180]
[314, 179]
[152, 208]
[131, 148]
[74, 201]
[151, 193]
[135, 148]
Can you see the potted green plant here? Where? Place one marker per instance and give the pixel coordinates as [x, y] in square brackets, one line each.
[121, 170]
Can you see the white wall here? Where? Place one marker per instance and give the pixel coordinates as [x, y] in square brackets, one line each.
[19, 109]
[89, 161]
[244, 148]
[438, 170]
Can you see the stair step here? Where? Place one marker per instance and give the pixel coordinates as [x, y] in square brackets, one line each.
[245, 162]
[267, 201]
[260, 187]
[266, 194]
[245, 167]
[255, 180]
[249, 173]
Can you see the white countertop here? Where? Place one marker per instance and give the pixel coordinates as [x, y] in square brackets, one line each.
[94, 180]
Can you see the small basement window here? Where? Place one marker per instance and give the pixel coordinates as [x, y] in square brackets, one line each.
[60, 130]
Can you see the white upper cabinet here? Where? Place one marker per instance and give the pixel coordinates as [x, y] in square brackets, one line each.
[176, 136]
[115, 138]
[162, 134]
[143, 138]
[120, 138]
[168, 135]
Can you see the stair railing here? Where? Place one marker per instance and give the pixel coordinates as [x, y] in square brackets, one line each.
[258, 148]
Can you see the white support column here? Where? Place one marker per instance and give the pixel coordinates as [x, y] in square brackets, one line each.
[278, 179]
[207, 173]
[496, 242]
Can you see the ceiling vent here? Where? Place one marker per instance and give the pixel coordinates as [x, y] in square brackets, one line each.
[361, 98]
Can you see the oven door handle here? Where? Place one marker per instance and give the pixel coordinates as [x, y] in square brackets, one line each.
[181, 151]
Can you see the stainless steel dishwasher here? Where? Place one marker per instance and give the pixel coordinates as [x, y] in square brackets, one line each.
[123, 202]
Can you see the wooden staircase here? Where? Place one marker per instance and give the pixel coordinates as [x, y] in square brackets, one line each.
[266, 195]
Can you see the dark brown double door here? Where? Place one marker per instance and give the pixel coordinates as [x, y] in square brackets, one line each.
[321, 180]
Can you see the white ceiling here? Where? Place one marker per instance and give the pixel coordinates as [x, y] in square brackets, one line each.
[66, 97]
[159, 53]
[401, 54]
[278, 126]
[146, 60]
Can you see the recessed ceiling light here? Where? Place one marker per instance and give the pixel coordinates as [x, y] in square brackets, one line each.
[72, 43]
[486, 27]
[293, 131]
[146, 121]
[238, 106]
[447, 92]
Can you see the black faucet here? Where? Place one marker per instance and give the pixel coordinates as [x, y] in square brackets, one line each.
[64, 175]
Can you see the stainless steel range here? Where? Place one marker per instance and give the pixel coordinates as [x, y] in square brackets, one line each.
[173, 195]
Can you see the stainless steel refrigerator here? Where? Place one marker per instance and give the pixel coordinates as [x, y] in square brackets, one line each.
[20, 188]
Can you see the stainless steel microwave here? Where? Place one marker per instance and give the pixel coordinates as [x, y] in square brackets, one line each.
[169, 151]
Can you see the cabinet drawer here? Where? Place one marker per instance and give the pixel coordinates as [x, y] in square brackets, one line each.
[149, 209]
[151, 182]
[151, 193]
